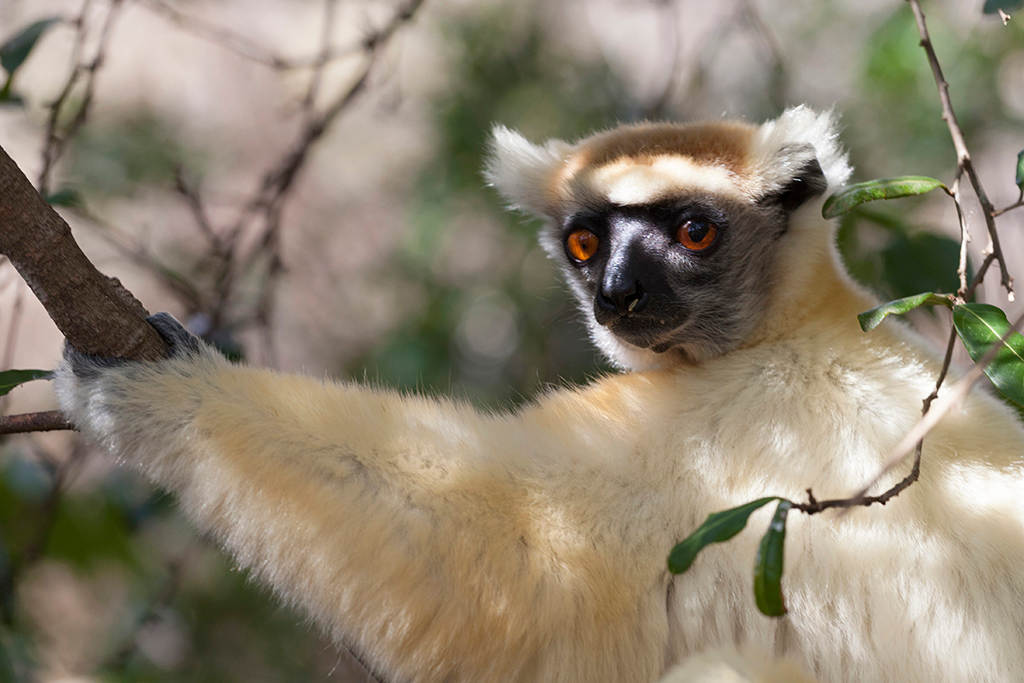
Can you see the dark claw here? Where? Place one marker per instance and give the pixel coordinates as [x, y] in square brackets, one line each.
[88, 366]
[180, 341]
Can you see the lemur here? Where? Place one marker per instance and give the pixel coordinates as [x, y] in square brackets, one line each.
[443, 543]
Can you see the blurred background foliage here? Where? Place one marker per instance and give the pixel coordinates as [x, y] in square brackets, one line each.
[506, 345]
[431, 285]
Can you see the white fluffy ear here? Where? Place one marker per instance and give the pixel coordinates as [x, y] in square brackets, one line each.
[523, 172]
[784, 145]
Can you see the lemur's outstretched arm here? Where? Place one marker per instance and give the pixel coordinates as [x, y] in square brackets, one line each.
[429, 536]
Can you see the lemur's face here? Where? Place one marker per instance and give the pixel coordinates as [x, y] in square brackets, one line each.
[685, 274]
[667, 234]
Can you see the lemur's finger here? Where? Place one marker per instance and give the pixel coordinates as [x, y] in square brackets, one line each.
[179, 339]
[86, 365]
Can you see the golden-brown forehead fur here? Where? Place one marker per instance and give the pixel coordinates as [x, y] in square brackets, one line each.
[640, 163]
[719, 143]
[637, 164]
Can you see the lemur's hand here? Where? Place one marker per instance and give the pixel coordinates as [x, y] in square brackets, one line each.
[180, 343]
[93, 391]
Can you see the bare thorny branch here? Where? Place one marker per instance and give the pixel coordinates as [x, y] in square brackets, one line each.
[260, 216]
[245, 47]
[913, 441]
[56, 139]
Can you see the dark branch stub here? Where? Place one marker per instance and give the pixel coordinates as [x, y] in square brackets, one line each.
[49, 421]
[814, 506]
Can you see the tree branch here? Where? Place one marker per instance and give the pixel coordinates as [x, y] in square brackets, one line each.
[95, 313]
[914, 440]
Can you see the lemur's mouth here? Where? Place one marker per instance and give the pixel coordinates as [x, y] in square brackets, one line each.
[637, 340]
[645, 332]
[649, 332]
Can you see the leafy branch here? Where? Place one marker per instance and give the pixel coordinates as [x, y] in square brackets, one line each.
[995, 346]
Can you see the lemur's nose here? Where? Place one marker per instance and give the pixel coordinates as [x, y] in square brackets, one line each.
[622, 297]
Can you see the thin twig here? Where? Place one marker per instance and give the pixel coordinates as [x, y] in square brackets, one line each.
[268, 200]
[965, 237]
[986, 263]
[814, 506]
[245, 47]
[326, 30]
[141, 256]
[50, 139]
[1016, 205]
[943, 405]
[47, 421]
[56, 142]
[198, 209]
[7, 358]
[960, 145]
[218, 35]
[914, 439]
[278, 180]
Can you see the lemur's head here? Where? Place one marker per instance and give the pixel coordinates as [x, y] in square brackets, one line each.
[668, 234]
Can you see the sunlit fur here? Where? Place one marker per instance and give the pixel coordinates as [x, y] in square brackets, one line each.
[443, 543]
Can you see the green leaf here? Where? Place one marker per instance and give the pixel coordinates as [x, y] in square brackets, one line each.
[980, 326]
[882, 188]
[993, 6]
[12, 378]
[718, 527]
[15, 51]
[921, 262]
[768, 565]
[1019, 177]
[65, 196]
[869, 320]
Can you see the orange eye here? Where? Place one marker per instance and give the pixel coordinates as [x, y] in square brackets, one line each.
[581, 244]
[697, 235]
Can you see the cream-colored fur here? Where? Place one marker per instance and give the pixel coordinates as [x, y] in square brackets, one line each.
[729, 665]
[448, 544]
